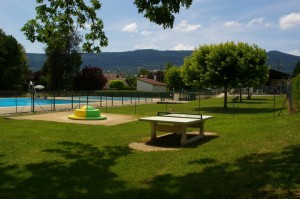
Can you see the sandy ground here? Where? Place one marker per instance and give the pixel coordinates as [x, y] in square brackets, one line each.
[112, 119]
[170, 142]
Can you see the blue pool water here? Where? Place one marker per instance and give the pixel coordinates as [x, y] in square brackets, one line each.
[7, 102]
[23, 101]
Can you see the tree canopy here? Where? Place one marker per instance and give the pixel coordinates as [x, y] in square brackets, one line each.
[161, 11]
[54, 18]
[58, 23]
[90, 78]
[173, 78]
[13, 63]
[63, 61]
[226, 65]
[67, 16]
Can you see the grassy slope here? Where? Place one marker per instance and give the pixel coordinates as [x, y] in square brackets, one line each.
[254, 155]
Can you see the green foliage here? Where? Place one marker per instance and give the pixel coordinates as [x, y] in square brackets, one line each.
[161, 11]
[252, 62]
[143, 72]
[225, 65]
[117, 84]
[90, 78]
[296, 70]
[173, 78]
[132, 80]
[296, 92]
[54, 18]
[13, 63]
[63, 61]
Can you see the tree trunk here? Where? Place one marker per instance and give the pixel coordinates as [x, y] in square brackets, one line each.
[225, 97]
[240, 89]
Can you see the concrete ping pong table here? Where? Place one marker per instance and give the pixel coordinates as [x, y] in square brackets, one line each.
[177, 123]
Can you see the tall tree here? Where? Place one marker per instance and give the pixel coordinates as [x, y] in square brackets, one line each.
[13, 63]
[173, 78]
[225, 65]
[90, 78]
[63, 61]
[253, 71]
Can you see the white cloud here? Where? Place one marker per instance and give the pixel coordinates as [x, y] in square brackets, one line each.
[295, 52]
[231, 24]
[130, 28]
[256, 21]
[183, 26]
[183, 47]
[259, 21]
[146, 33]
[290, 20]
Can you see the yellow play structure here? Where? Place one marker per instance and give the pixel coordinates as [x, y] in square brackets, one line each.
[87, 113]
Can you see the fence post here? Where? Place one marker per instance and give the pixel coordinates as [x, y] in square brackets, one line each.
[16, 102]
[274, 103]
[72, 99]
[54, 102]
[135, 103]
[106, 102]
[199, 95]
[87, 98]
[32, 100]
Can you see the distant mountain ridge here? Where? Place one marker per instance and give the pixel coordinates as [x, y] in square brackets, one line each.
[129, 62]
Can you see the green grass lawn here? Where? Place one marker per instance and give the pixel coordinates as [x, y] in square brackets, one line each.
[256, 154]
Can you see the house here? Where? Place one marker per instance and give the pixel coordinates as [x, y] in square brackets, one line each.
[111, 77]
[150, 85]
[277, 80]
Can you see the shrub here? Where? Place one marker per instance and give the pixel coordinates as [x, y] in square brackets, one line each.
[117, 84]
[296, 92]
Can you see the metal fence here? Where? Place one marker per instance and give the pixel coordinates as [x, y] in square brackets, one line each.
[15, 102]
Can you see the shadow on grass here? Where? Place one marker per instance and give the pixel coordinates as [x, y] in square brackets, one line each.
[267, 175]
[87, 174]
[247, 102]
[84, 172]
[236, 110]
[172, 140]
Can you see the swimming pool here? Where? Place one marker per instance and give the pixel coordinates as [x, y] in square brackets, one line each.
[26, 101]
[103, 98]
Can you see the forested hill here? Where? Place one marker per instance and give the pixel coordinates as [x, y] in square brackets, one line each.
[282, 61]
[129, 62]
[122, 62]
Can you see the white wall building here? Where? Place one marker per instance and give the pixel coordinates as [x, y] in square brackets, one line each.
[150, 85]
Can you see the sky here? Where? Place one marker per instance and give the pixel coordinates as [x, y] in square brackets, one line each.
[270, 24]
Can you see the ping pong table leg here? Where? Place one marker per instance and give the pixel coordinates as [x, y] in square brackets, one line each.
[201, 128]
[153, 131]
[183, 134]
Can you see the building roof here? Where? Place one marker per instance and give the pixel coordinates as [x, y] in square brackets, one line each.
[274, 74]
[151, 81]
